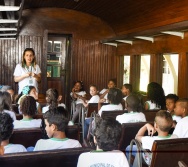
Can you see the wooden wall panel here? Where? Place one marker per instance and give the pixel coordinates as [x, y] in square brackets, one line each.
[94, 63]
[11, 54]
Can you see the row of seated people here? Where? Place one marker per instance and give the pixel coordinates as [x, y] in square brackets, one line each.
[110, 129]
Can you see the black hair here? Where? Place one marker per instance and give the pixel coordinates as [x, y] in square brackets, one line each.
[28, 106]
[165, 127]
[173, 97]
[128, 86]
[156, 94]
[107, 134]
[93, 86]
[184, 102]
[115, 95]
[134, 103]
[5, 101]
[56, 117]
[6, 126]
[52, 97]
[81, 83]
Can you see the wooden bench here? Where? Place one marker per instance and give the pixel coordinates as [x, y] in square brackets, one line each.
[29, 137]
[129, 131]
[150, 115]
[51, 158]
[112, 114]
[169, 152]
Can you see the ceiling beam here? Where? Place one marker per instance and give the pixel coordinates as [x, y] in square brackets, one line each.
[125, 41]
[9, 8]
[145, 38]
[8, 21]
[8, 29]
[8, 34]
[179, 34]
[112, 44]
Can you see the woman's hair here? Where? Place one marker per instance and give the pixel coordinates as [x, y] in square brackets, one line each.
[115, 95]
[5, 101]
[52, 97]
[6, 126]
[28, 106]
[155, 93]
[25, 91]
[34, 62]
[108, 134]
[81, 83]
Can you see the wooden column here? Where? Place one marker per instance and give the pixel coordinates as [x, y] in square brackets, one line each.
[135, 71]
[156, 68]
[182, 75]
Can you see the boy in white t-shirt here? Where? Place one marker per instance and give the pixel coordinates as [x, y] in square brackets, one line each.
[162, 125]
[181, 109]
[133, 106]
[106, 137]
[56, 124]
[6, 129]
[28, 109]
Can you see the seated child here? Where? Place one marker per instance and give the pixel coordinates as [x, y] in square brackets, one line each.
[114, 97]
[5, 104]
[126, 90]
[28, 109]
[104, 93]
[94, 99]
[132, 105]
[6, 130]
[10, 90]
[107, 135]
[162, 125]
[56, 124]
[52, 98]
[170, 105]
[29, 91]
[181, 109]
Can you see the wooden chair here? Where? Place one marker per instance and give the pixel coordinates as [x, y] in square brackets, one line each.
[150, 115]
[129, 131]
[29, 137]
[112, 114]
[169, 152]
[52, 158]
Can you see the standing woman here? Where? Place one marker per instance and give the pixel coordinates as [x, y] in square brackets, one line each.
[28, 72]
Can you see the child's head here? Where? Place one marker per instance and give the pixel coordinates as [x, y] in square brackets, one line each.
[163, 121]
[5, 101]
[30, 90]
[181, 108]
[52, 97]
[55, 122]
[78, 86]
[28, 57]
[114, 96]
[107, 134]
[111, 83]
[8, 89]
[6, 126]
[126, 89]
[155, 93]
[132, 103]
[171, 101]
[28, 106]
[93, 90]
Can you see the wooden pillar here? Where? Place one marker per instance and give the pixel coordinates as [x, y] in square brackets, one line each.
[156, 68]
[135, 71]
[182, 75]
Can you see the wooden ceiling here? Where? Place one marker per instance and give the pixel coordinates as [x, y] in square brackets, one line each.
[126, 17]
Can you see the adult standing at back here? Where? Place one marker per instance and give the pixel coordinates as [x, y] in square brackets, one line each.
[28, 72]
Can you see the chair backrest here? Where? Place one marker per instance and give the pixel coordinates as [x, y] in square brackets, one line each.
[169, 152]
[150, 114]
[15, 108]
[112, 114]
[37, 116]
[53, 158]
[29, 137]
[129, 131]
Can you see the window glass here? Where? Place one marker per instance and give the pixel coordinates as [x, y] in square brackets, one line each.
[126, 73]
[170, 73]
[144, 72]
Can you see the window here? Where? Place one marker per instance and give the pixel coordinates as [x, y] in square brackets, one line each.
[126, 72]
[144, 72]
[170, 73]
[56, 57]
